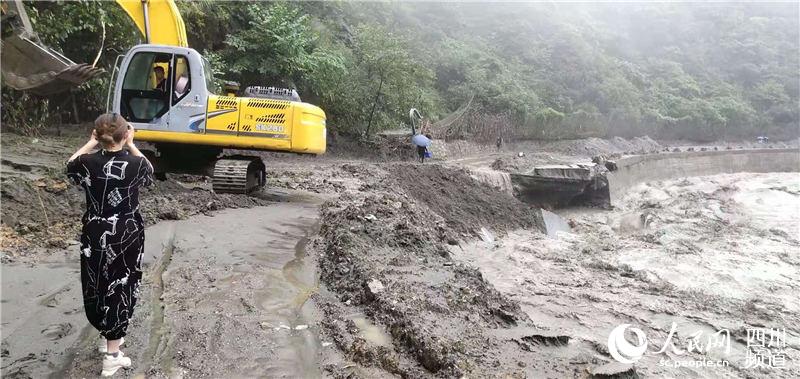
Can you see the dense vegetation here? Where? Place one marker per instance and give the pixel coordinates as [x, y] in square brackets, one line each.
[696, 71]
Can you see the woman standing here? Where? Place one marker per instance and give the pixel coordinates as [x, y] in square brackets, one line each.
[112, 239]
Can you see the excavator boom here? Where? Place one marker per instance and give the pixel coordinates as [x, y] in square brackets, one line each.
[159, 21]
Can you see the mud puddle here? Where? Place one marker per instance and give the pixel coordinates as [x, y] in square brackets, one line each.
[370, 332]
[228, 295]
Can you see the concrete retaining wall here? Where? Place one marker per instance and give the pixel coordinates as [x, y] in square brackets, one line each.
[654, 167]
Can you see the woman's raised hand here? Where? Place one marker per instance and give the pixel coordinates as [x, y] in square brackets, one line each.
[86, 148]
[129, 137]
[129, 142]
[93, 138]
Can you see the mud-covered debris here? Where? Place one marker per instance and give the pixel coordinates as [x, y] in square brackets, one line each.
[508, 316]
[486, 236]
[373, 288]
[171, 214]
[503, 164]
[615, 370]
[547, 339]
[370, 217]
[264, 325]
[57, 242]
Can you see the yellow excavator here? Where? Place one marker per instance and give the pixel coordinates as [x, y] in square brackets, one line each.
[167, 92]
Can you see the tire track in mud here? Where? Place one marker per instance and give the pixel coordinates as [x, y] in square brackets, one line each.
[159, 349]
[236, 298]
[293, 268]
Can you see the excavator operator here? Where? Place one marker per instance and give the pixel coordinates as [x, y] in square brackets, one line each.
[161, 80]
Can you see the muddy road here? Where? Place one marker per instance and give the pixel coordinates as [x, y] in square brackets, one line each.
[228, 295]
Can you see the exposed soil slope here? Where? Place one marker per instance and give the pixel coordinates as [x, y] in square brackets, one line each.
[385, 253]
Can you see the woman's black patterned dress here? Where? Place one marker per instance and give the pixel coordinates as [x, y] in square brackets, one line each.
[112, 240]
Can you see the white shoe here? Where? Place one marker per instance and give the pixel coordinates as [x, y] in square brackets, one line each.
[111, 363]
[102, 344]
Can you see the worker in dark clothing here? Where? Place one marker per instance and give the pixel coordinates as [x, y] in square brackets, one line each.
[422, 142]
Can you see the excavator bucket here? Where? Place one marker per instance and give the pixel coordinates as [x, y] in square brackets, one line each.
[27, 65]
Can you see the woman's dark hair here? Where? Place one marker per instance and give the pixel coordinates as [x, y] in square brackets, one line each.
[110, 128]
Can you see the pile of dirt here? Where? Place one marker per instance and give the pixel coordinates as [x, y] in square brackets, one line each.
[319, 178]
[466, 207]
[384, 252]
[505, 164]
[380, 147]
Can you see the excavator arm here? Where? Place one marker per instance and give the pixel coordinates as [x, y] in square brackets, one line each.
[159, 21]
[29, 65]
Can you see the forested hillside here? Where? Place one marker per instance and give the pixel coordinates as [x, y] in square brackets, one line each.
[540, 70]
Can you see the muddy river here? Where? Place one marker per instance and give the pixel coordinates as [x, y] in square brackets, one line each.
[227, 295]
[717, 256]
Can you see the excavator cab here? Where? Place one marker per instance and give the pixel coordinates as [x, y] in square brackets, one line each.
[162, 88]
[145, 91]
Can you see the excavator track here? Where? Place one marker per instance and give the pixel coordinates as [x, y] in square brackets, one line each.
[238, 175]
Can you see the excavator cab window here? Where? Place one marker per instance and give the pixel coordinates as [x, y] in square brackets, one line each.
[211, 84]
[144, 99]
[183, 83]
